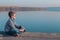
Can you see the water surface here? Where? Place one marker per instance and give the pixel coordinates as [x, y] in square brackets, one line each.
[35, 21]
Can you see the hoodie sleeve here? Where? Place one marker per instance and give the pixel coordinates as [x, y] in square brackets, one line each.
[12, 25]
[17, 26]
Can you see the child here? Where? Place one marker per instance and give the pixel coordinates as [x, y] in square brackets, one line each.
[11, 27]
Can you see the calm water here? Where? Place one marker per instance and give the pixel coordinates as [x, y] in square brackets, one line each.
[35, 21]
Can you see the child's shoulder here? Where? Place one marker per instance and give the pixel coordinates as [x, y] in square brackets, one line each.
[9, 20]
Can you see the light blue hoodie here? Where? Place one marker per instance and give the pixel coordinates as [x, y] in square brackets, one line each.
[11, 25]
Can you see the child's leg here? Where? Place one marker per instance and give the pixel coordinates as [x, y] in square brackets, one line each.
[13, 32]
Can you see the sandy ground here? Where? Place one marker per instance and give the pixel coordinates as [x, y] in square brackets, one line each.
[33, 36]
[27, 38]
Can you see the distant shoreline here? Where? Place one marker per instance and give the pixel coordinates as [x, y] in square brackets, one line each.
[16, 8]
[8, 8]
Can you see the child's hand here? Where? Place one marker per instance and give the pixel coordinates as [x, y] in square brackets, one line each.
[22, 30]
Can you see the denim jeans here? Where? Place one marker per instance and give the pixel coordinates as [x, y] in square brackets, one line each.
[12, 32]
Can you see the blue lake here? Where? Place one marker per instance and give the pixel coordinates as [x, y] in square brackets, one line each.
[35, 21]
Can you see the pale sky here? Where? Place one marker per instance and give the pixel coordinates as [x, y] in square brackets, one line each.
[31, 3]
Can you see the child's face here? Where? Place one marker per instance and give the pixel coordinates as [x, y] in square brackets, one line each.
[13, 16]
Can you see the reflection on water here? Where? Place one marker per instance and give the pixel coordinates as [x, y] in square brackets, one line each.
[35, 21]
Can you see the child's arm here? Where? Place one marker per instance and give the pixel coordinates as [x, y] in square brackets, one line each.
[17, 26]
[22, 29]
[11, 24]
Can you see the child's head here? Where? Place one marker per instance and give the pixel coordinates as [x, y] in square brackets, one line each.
[12, 14]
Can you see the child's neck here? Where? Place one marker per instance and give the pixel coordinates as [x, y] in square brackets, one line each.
[12, 18]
